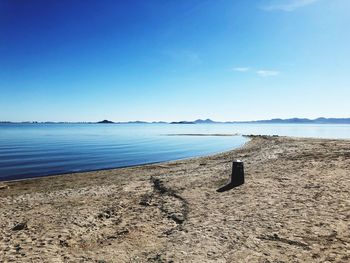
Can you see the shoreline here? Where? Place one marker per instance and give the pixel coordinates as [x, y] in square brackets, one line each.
[294, 206]
[250, 136]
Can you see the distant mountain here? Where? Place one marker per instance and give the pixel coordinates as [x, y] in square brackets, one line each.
[292, 120]
[320, 120]
[105, 122]
[159, 122]
[199, 121]
[207, 121]
[182, 122]
[333, 120]
[135, 122]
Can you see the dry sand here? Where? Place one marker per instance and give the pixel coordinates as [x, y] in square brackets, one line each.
[294, 207]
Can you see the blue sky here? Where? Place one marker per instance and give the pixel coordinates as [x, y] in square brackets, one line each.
[174, 60]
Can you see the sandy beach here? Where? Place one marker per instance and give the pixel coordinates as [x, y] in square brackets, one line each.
[294, 207]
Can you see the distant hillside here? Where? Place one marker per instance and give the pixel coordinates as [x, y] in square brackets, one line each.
[204, 121]
[182, 122]
[199, 121]
[123, 122]
[320, 120]
[133, 122]
[105, 122]
[159, 122]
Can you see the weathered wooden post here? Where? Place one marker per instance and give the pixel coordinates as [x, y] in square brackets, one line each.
[237, 176]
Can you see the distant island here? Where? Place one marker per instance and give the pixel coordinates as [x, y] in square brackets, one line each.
[320, 120]
[105, 121]
[182, 122]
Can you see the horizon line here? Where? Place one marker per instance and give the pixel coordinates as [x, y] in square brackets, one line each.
[208, 120]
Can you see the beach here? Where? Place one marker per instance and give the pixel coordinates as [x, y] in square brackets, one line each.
[293, 207]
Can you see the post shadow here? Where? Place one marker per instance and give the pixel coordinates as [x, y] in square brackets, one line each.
[237, 177]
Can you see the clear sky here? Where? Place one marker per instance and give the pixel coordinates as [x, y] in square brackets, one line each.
[169, 60]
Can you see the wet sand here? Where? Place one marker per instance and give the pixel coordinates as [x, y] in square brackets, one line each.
[294, 207]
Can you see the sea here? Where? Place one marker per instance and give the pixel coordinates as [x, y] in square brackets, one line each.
[34, 150]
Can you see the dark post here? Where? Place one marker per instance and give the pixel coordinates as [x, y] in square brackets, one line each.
[237, 176]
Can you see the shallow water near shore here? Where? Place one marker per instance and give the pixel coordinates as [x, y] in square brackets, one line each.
[38, 150]
[31, 150]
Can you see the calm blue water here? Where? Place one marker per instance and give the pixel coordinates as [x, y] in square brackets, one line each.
[31, 150]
